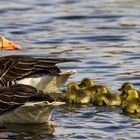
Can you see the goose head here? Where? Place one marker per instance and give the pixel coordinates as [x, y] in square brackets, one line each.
[7, 45]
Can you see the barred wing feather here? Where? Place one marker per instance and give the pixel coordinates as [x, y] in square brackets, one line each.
[17, 95]
[17, 67]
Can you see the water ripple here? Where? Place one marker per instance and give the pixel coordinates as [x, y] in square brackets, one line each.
[103, 34]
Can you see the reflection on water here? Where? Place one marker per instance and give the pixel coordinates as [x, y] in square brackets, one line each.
[25, 131]
[103, 34]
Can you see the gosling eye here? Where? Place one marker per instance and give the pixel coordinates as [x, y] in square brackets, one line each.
[119, 89]
[82, 84]
[96, 90]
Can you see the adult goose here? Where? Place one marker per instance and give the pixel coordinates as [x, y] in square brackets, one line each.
[41, 73]
[25, 104]
[7, 45]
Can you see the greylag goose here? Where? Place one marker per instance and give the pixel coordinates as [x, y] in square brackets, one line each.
[41, 73]
[7, 45]
[25, 104]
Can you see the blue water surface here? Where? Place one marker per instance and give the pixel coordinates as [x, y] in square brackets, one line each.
[104, 34]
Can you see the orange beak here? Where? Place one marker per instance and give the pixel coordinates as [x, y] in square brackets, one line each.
[8, 45]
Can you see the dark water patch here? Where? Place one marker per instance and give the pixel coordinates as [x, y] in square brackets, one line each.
[128, 78]
[58, 41]
[95, 62]
[69, 2]
[135, 138]
[94, 136]
[43, 21]
[74, 126]
[100, 72]
[18, 32]
[137, 84]
[16, 25]
[78, 17]
[79, 137]
[43, 4]
[103, 67]
[113, 128]
[136, 54]
[8, 27]
[119, 52]
[132, 58]
[88, 114]
[125, 121]
[40, 29]
[73, 42]
[2, 11]
[102, 38]
[117, 28]
[19, 9]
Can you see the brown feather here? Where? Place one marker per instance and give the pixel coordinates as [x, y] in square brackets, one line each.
[17, 95]
[17, 67]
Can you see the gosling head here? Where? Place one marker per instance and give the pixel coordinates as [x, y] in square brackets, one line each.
[101, 90]
[72, 87]
[86, 82]
[125, 87]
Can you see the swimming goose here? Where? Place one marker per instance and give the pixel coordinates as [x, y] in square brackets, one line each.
[41, 73]
[25, 104]
[7, 45]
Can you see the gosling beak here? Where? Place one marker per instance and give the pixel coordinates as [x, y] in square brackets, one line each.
[81, 85]
[8, 45]
[119, 89]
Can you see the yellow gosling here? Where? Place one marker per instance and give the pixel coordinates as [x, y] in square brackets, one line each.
[89, 85]
[77, 95]
[131, 103]
[86, 83]
[99, 97]
[125, 87]
[103, 96]
[113, 99]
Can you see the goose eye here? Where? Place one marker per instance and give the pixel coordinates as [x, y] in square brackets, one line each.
[10, 43]
[82, 84]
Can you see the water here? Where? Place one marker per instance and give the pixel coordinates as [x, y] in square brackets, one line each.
[103, 34]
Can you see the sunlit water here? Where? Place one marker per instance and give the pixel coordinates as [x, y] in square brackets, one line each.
[104, 34]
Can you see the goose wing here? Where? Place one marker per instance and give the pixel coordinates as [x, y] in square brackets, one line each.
[16, 95]
[16, 67]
